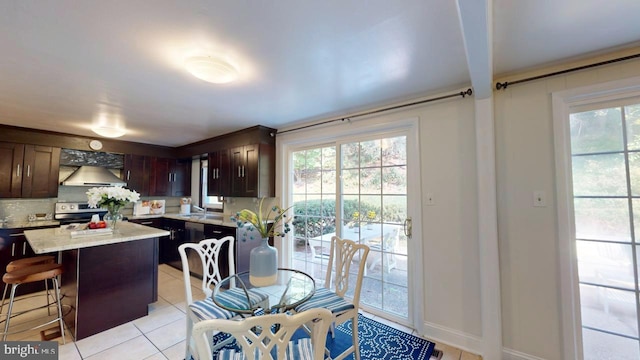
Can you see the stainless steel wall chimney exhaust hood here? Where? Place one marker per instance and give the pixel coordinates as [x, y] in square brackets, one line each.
[93, 176]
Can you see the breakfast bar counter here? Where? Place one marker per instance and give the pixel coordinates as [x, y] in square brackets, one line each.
[108, 279]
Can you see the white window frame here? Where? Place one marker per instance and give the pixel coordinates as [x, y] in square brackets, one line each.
[562, 102]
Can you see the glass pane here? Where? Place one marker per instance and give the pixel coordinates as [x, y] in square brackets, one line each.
[601, 346]
[602, 219]
[634, 173]
[299, 181]
[601, 175]
[394, 180]
[370, 153]
[299, 205]
[314, 183]
[328, 182]
[391, 291]
[609, 309]
[350, 155]
[605, 264]
[596, 131]
[394, 208]
[313, 159]
[329, 158]
[371, 292]
[394, 151]
[632, 118]
[350, 181]
[370, 181]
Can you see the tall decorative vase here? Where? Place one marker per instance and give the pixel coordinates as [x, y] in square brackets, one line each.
[263, 264]
[113, 216]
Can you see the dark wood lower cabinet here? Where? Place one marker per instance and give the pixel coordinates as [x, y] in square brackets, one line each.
[109, 285]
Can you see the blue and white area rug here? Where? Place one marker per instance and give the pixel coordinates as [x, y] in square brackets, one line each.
[377, 342]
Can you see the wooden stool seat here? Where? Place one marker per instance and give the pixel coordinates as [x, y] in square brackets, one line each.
[28, 270]
[32, 273]
[26, 262]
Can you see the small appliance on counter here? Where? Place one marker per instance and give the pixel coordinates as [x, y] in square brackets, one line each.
[185, 206]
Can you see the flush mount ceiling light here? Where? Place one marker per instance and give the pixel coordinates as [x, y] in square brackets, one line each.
[211, 69]
[108, 131]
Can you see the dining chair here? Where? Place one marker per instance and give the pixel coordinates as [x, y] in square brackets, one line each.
[267, 337]
[209, 252]
[331, 296]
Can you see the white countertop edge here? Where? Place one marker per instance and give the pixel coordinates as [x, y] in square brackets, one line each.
[57, 239]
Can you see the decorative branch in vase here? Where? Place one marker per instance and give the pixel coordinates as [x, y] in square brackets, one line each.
[113, 198]
[263, 259]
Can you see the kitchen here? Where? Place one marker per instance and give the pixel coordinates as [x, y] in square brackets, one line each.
[164, 181]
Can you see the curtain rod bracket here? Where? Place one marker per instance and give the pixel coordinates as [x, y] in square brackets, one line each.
[500, 86]
[469, 92]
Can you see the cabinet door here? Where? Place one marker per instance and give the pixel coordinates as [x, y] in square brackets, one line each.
[181, 177]
[251, 171]
[218, 232]
[40, 171]
[218, 176]
[14, 246]
[160, 177]
[11, 156]
[136, 173]
[236, 182]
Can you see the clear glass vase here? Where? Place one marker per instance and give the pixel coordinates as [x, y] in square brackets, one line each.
[263, 264]
[112, 216]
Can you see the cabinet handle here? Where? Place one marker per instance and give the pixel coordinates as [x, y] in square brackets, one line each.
[128, 174]
[169, 177]
[24, 248]
[28, 170]
[18, 171]
[242, 170]
[16, 234]
[146, 223]
[216, 232]
[239, 171]
[174, 177]
[13, 249]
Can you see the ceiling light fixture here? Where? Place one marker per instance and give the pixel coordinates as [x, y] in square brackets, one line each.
[211, 69]
[108, 131]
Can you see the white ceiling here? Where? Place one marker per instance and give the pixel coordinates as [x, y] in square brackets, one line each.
[64, 61]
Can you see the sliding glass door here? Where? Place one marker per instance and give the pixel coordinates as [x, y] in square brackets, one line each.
[358, 191]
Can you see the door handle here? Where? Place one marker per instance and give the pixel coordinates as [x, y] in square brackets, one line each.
[407, 227]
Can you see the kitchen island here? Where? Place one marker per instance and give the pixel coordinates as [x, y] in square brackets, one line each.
[108, 280]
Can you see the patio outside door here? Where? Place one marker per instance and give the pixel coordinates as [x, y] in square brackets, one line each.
[357, 190]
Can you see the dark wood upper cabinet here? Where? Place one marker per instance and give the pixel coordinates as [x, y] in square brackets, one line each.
[252, 171]
[136, 173]
[219, 173]
[40, 171]
[11, 156]
[170, 177]
[29, 171]
[181, 177]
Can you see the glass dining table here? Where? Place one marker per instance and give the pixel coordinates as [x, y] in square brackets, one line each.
[291, 288]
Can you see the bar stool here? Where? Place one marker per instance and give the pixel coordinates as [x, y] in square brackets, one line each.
[26, 262]
[29, 274]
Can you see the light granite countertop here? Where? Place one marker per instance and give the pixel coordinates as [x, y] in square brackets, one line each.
[211, 218]
[27, 224]
[58, 239]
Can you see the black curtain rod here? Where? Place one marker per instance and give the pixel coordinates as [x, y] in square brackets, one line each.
[503, 85]
[467, 92]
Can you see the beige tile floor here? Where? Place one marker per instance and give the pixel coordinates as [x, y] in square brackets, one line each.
[159, 335]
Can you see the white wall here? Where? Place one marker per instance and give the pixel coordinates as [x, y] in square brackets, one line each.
[527, 235]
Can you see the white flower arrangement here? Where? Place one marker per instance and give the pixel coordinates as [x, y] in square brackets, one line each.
[111, 197]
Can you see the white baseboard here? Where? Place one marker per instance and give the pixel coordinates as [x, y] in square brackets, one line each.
[509, 354]
[438, 333]
[467, 342]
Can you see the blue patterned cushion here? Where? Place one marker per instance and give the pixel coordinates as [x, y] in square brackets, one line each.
[207, 309]
[324, 298]
[235, 297]
[298, 349]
